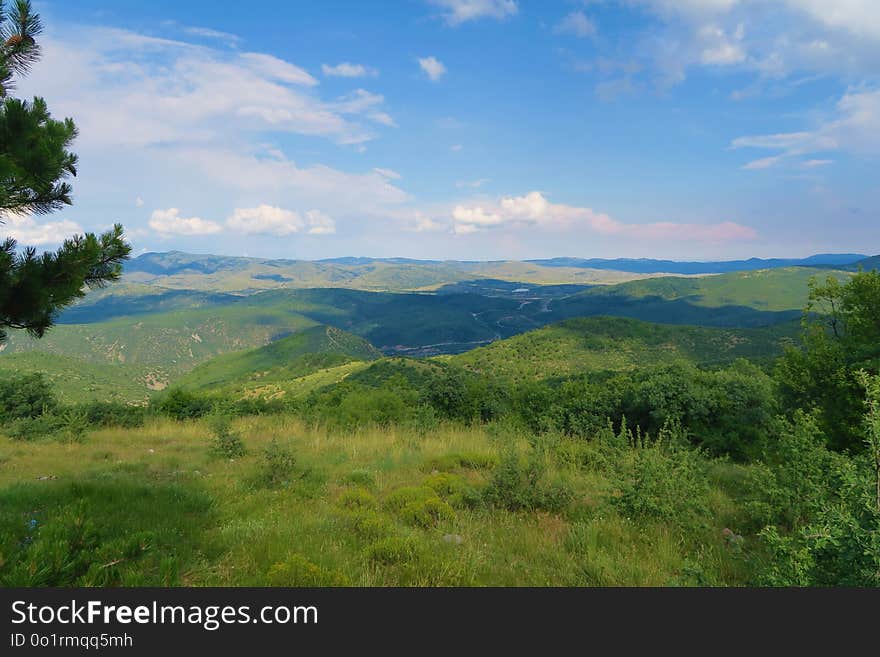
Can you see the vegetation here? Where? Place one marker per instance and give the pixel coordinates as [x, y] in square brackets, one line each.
[35, 162]
[593, 451]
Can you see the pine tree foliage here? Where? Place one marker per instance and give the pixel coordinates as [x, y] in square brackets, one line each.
[35, 163]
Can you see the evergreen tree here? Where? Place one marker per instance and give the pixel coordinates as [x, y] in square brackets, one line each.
[35, 163]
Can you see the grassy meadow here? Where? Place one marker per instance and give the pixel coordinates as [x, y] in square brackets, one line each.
[156, 505]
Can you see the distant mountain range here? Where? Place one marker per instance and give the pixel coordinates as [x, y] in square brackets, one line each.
[175, 263]
[651, 266]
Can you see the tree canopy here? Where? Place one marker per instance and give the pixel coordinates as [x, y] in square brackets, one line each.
[35, 165]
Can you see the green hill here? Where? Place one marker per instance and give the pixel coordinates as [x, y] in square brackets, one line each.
[165, 345]
[295, 356]
[739, 299]
[613, 343]
[77, 380]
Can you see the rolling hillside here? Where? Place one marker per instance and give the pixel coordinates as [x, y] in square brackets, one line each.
[248, 275]
[581, 345]
[739, 299]
[292, 357]
[76, 380]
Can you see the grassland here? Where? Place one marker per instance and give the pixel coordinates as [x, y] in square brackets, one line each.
[155, 506]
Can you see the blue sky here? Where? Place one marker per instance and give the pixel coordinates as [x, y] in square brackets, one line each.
[469, 129]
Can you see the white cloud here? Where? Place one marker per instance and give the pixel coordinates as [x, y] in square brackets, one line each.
[455, 148]
[720, 48]
[320, 223]
[169, 222]
[778, 41]
[472, 184]
[578, 24]
[210, 33]
[432, 67]
[855, 128]
[457, 12]
[139, 202]
[277, 69]
[348, 70]
[817, 163]
[391, 174]
[271, 220]
[29, 232]
[126, 89]
[763, 163]
[534, 209]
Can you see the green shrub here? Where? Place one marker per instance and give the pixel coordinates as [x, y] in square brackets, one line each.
[25, 396]
[361, 477]
[400, 497]
[297, 570]
[35, 428]
[452, 488]
[663, 481]
[427, 513]
[75, 426]
[114, 414]
[522, 485]
[357, 499]
[459, 460]
[419, 505]
[226, 443]
[182, 405]
[393, 550]
[369, 524]
[278, 465]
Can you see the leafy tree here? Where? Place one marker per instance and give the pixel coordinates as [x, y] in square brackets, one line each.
[25, 396]
[35, 163]
[841, 336]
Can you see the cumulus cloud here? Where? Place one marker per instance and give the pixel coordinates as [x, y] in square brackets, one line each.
[348, 70]
[577, 24]
[169, 222]
[28, 231]
[534, 209]
[271, 220]
[432, 67]
[456, 12]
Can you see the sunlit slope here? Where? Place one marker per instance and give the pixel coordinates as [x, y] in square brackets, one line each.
[78, 380]
[292, 357]
[582, 345]
[166, 344]
[740, 299]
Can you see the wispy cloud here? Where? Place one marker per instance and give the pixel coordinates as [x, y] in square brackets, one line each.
[576, 23]
[456, 12]
[854, 128]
